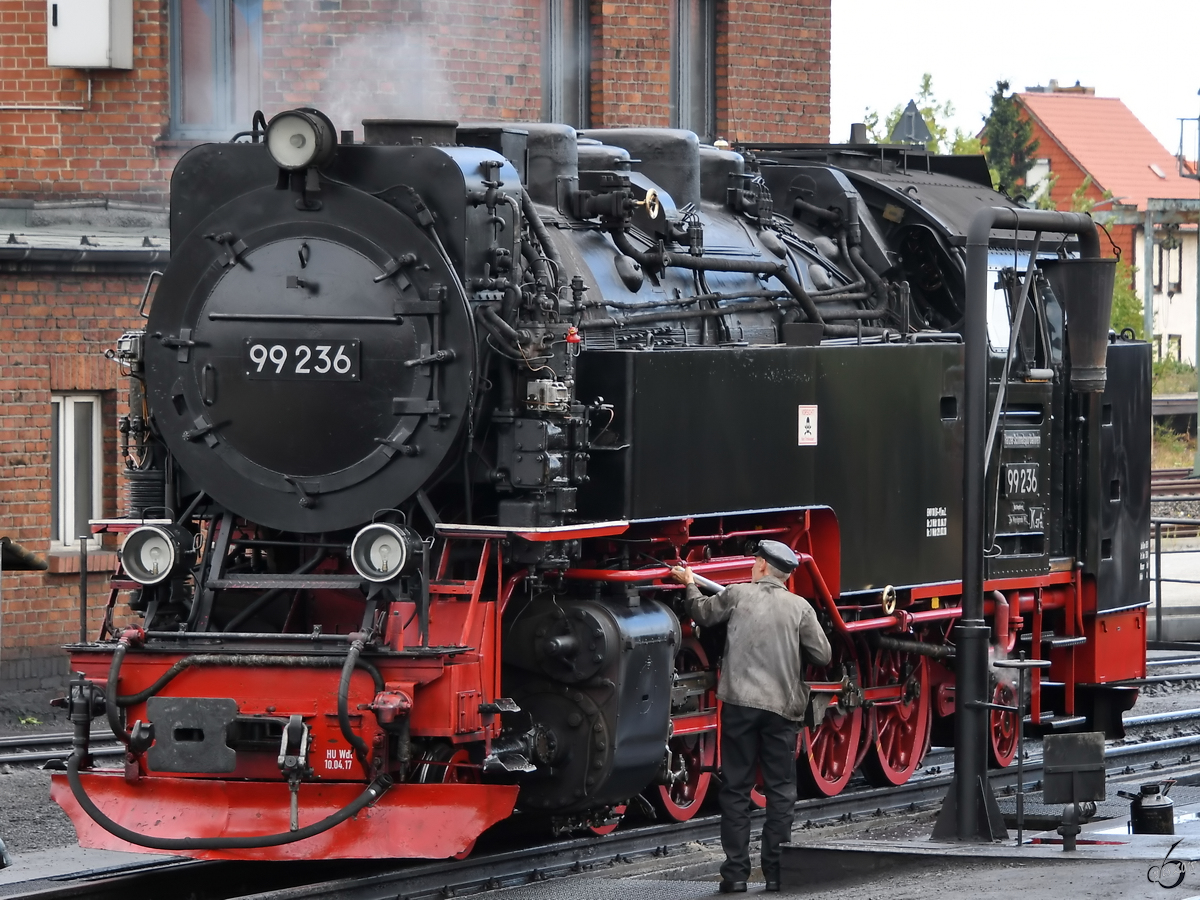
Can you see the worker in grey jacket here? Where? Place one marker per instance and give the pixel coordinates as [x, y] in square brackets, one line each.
[772, 636]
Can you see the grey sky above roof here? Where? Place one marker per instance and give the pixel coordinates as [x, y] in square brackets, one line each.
[1144, 55]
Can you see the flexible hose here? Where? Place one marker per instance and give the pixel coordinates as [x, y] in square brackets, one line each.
[374, 791]
[111, 701]
[877, 285]
[343, 703]
[223, 659]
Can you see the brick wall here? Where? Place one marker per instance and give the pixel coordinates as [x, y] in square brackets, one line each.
[773, 71]
[462, 59]
[108, 149]
[631, 64]
[54, 329]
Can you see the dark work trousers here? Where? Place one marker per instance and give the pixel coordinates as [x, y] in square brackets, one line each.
[754, 739]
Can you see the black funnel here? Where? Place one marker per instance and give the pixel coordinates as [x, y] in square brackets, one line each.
[1084, 287]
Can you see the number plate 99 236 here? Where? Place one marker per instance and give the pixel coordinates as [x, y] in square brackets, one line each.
[301, 360]
[1020, 479]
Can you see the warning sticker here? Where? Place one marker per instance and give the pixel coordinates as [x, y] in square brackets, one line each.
[935, 521]
[808, 426]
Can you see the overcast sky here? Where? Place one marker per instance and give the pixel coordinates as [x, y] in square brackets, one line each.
[1146, 53]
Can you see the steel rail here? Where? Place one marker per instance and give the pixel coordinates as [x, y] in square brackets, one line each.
[419, 880]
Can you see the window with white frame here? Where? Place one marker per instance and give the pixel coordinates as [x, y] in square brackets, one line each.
[216, 66]
[76, 467]
[694, 67]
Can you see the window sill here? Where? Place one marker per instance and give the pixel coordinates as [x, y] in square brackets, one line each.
[65, 562]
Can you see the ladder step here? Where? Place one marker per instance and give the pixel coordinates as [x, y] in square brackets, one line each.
[1057, 723]
[1049, 638]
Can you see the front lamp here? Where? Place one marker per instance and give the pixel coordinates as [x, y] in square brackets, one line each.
[152, 553]
[382, 551]
[300, 138]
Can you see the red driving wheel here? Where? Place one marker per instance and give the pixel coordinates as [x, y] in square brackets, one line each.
[829, 752]
[691, 755]
[614, 819]
[1002, 727]
[901, 727]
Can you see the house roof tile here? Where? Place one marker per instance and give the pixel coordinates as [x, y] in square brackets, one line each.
[1112, 145]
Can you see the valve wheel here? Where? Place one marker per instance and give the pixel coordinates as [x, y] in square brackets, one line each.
[900, 728]
[1002, 727]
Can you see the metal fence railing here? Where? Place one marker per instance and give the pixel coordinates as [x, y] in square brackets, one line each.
[1191, 528]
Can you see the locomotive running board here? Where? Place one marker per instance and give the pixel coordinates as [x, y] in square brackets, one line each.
[414, 821]
[551, 533]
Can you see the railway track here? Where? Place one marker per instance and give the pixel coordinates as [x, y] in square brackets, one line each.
[40, 748]
[496, 865]
[1174, 484]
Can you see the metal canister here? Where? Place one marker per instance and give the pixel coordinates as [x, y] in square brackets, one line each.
[1152, 811]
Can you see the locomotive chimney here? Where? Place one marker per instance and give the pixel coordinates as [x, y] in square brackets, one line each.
[410, 131]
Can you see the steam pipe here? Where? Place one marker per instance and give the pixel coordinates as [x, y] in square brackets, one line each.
[543, 237]
[906, 645]
[825, 215]
[972, 632]
[657, 261]
[877, 285]
[497, 325]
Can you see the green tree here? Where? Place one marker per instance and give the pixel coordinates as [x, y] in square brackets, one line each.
[935, 113]
[1008, 142]
[1126, 307]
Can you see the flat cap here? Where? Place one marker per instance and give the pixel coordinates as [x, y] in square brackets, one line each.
[778, 555]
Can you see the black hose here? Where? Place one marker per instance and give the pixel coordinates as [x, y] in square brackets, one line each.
[496, 324]
[825, 215]
[270, 595]
[225, 659]
[111, 701]
[536, 262]
[805, 301]
[877, 285]
[543, 237]
[374, 791]
[841, 312]
[343, 703]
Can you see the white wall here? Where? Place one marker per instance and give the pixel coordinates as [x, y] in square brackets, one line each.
[1173, 315]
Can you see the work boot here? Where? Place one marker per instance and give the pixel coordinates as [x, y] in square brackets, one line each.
[732, 887]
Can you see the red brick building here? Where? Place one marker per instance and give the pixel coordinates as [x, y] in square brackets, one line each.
[87, 149]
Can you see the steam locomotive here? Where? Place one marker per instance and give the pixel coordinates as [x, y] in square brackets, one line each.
[419, 424]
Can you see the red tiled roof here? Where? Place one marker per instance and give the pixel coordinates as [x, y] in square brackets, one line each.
[1109, 143]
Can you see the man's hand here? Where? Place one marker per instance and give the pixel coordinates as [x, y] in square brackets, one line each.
[683, 575]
